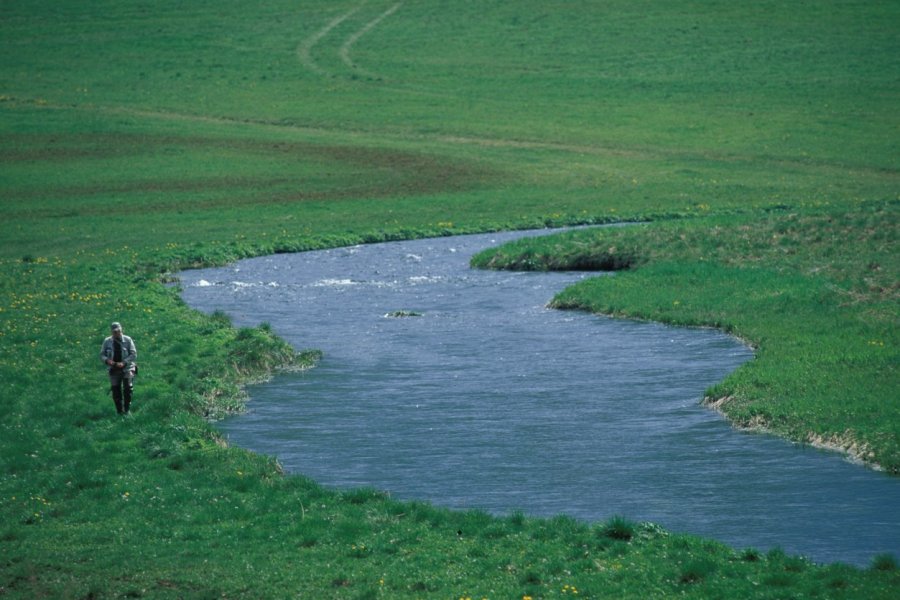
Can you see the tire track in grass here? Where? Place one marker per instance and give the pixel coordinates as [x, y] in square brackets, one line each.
[344, 51]
[304, 50]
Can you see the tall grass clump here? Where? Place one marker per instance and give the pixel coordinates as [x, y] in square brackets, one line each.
[619, 528]
[884, 562]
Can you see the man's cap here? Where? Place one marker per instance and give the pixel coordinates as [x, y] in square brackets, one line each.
[116, 326]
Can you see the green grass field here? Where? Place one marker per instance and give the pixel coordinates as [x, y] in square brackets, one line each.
[758, 140]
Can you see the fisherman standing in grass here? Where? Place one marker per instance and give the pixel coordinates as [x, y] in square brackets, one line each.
[118, 353]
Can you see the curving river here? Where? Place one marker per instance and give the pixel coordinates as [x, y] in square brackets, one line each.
[457, 386]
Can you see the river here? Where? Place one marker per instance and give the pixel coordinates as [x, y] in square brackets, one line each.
[459, 387]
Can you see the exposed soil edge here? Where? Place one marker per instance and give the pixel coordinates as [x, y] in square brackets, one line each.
[846, 443]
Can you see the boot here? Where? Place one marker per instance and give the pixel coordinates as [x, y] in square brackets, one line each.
[117, 397]
[127, 387]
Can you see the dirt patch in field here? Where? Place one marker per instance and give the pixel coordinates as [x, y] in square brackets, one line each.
[40, 147]
[374, 172]
[149, 186]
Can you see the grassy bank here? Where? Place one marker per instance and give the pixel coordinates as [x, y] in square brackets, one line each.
[139, 140]
[814, 291]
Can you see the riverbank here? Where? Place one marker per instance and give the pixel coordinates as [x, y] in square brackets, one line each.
[823, 323]
[848, 446]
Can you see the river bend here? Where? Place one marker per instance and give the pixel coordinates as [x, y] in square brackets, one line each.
[481, 397]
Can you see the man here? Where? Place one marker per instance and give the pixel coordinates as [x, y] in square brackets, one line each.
[118, 353]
